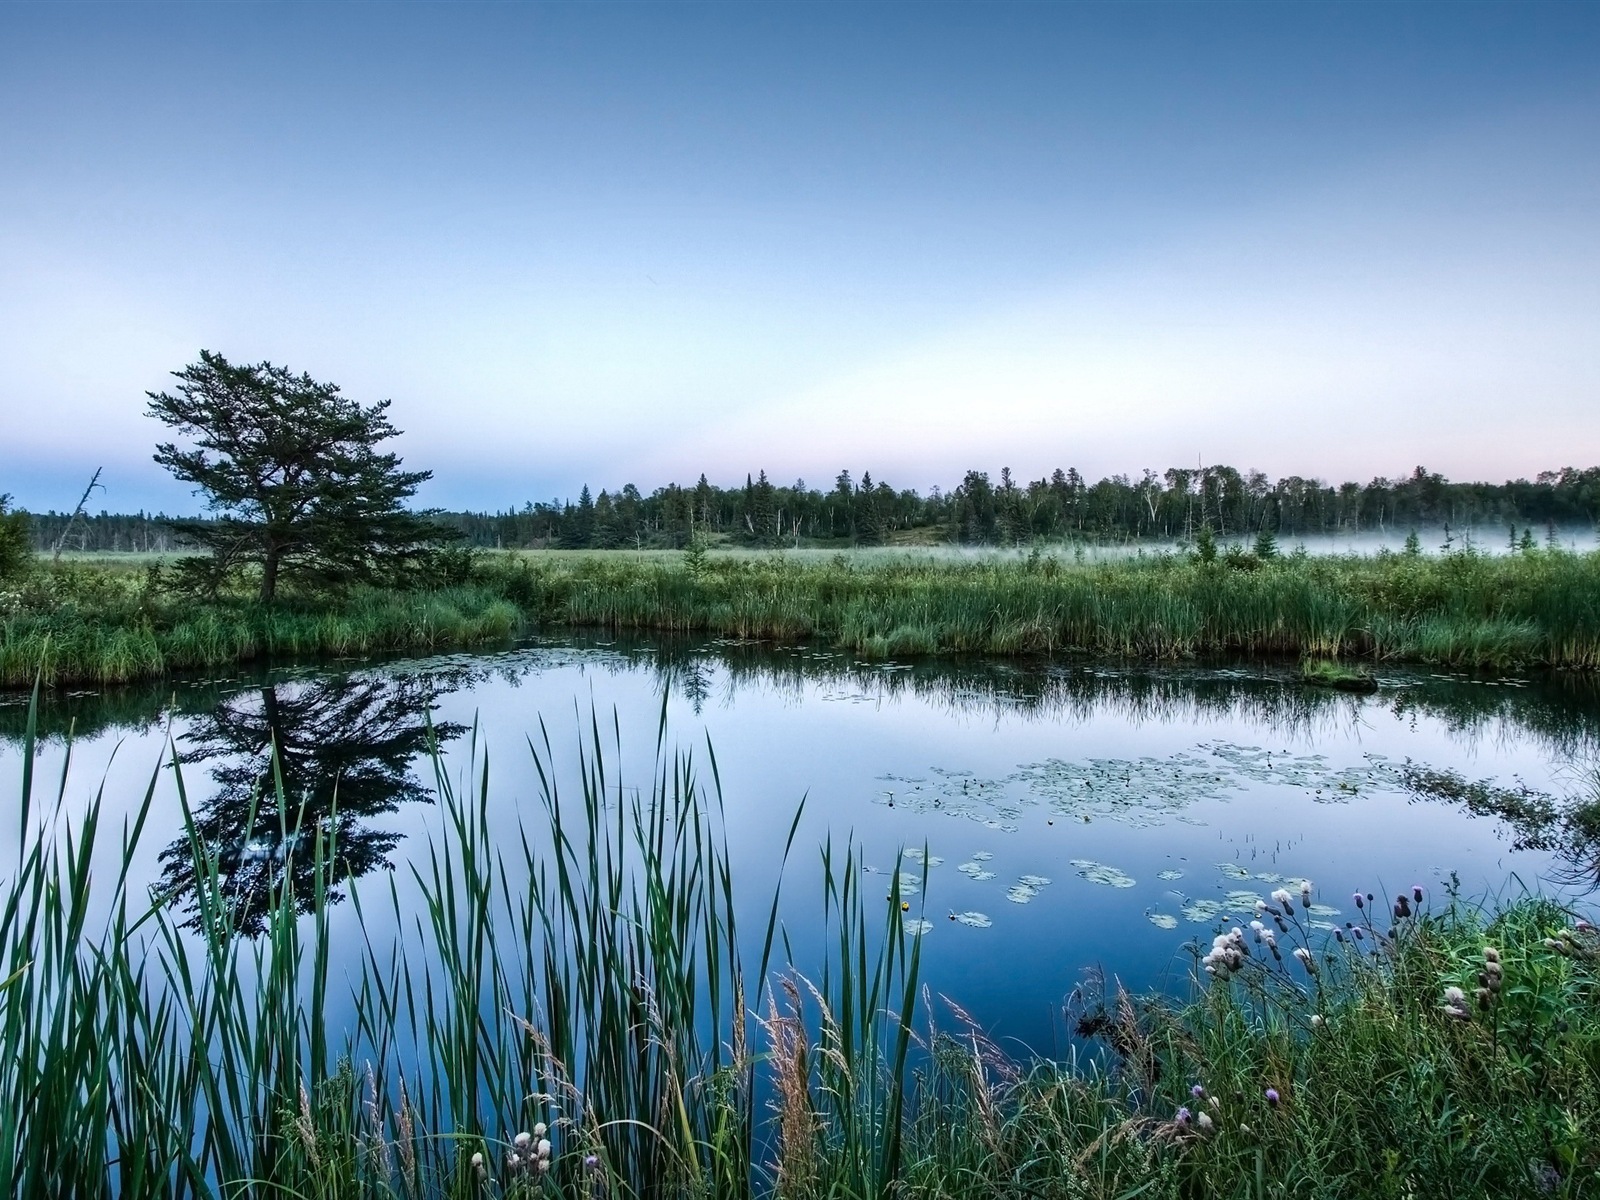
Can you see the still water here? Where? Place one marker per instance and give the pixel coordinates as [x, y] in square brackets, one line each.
[1051, 819]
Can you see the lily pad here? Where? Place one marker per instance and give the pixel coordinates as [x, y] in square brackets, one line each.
[1096, 872]
[977, 920]
[1202, 912]
[1162, 920]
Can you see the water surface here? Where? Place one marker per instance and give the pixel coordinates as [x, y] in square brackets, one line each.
[1048, 818]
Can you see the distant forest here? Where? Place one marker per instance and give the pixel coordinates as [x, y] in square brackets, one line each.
[981, 510]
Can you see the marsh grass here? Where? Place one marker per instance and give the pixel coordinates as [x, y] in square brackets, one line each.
[1467, 610]
[1540, 608]
[108, 627]
[581, 965]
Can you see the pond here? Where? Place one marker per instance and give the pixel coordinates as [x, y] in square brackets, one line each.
[1047, 820]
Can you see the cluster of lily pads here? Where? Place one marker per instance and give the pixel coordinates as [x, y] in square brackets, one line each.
[1143, 792]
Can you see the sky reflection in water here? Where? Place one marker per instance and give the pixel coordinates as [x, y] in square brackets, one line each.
[1044, 820]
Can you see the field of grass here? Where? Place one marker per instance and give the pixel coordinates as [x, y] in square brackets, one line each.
[570, 1008]
[1464, 609]
[108, 622]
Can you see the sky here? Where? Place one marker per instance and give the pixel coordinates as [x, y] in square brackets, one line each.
[613, 243]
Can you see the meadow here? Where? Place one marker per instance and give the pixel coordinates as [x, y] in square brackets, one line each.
[573, 1009]
[106, 621]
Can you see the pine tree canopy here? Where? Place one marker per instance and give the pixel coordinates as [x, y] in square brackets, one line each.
[290, 470]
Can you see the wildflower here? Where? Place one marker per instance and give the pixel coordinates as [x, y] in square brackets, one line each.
[1306, 961]
[1357, 934]
[1455, 1004]
[1416, 894]
[540, 1130]
[1181, 1117]
[1272, 1097]
[1204, 1122]
[477, 1163]
[542, 1165]
[1282, 898]
[1402, 907]
[513, 1160]
[1338, 935]
[522, 1141]
[1317, 1021]
[591, 1161]
[1198, 1092]
[1360, 900]
[543, 1148]
[1305, 892]
[1490, 954]
[905, 906]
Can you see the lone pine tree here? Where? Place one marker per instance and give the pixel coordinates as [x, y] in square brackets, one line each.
[298, 491]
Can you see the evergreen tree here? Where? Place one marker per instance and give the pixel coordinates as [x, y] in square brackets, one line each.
[867, 520]
[291, 473]
[580, 522]
[15, 552]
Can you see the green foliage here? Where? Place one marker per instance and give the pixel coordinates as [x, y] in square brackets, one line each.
[1205, 545]
[1467, 610]
[16, 552]
[1266, 548]
[82, 623]
[297, 490]
[104, 624]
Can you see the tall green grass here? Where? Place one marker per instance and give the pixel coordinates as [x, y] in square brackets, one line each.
[1540, 608]
[583, 967]
[117, 644]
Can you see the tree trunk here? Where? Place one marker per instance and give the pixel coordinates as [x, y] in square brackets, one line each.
[269, 576]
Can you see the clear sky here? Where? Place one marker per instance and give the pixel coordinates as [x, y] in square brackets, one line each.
[614, 242]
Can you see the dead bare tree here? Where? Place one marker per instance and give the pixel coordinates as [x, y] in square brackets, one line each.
[94, 482]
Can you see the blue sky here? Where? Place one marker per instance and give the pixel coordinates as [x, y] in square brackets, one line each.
[611, 242]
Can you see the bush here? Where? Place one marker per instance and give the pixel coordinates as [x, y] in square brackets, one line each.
[16, 555]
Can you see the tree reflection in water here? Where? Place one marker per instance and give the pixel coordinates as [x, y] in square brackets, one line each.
[342, 749]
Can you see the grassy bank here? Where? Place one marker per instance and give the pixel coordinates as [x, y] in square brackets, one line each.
[100, 623]
[1467, 610]
[580, 978]
[106, 623]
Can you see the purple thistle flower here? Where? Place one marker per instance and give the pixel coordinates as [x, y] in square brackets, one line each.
[1360, 900]
[1181, 1117]
[1198, 1092]
[591, 1160]
[1416, 894]
[1273, 1097]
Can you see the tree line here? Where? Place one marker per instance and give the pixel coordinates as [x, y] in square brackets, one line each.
[980, 510]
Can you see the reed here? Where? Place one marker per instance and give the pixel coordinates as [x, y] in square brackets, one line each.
[1537, 608]
[114, 640]
[583, 968]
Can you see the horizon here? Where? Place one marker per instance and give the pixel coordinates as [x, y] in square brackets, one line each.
[579, 243]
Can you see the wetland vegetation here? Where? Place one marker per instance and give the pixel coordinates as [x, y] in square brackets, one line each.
[109, 622]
